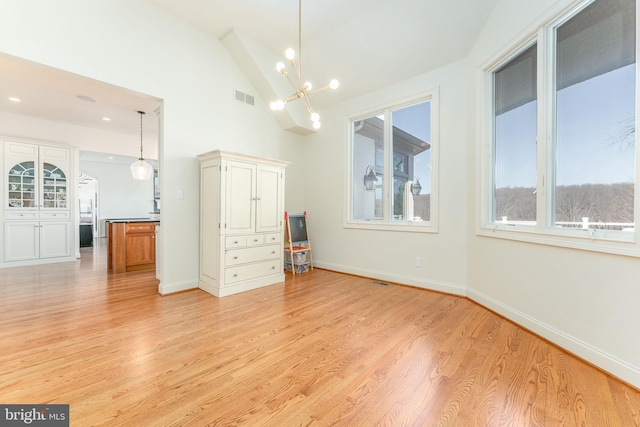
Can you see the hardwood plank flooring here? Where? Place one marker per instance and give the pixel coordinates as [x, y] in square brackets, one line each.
[322, 349]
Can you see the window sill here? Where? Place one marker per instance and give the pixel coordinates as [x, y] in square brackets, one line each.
[618, 242]
[402, 226]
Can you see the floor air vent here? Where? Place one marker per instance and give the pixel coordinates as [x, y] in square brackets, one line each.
[375, 282]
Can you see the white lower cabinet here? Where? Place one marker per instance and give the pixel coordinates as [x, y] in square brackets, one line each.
[38, 215]
[241, 222]
[27, 240]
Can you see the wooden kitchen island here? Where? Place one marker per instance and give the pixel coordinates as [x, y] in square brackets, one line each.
[131, 244]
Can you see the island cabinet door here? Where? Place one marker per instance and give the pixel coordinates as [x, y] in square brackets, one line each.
[140, 244]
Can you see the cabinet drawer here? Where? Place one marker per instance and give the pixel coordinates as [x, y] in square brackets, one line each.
[21, 215]
[140, 227]
[270, 238]
[255, 239]
[54, 215]
[246, 255]
[252, 271]
[231, 242]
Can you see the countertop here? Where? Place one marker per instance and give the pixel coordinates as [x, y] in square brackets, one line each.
[114, 220]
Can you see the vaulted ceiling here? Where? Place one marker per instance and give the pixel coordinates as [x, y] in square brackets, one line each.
[365, 44]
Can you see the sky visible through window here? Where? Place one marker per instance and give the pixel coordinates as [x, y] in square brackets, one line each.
[593, 116]
[416, 120]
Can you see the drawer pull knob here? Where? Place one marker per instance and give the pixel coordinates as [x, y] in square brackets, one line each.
[235, 242]
[273, 268]
[235, 257]
[235, 275]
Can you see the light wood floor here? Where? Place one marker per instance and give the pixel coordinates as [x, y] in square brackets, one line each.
[321, 349]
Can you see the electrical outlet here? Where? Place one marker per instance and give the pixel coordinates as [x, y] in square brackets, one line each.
[418, 261]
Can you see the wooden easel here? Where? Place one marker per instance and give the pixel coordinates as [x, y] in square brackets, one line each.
[296, 241]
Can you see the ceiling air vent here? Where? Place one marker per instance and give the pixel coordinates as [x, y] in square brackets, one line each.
[243, 97]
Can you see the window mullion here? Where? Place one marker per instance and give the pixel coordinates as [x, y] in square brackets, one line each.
[544, 149]
[387, 185]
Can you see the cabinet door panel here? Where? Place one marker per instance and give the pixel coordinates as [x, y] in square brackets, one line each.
[54, 172]
[141, 248]
[210, 221]
[241, 194]
[270, 198]
[21, 241]
[55, 239]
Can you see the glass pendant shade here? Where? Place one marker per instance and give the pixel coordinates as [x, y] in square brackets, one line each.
[141, 169]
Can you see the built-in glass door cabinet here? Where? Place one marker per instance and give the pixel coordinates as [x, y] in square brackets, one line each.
[241, 220]
[37, 200]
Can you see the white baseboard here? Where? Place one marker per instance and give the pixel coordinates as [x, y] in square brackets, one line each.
[596, 356]
[169, 288]
[432, 285]
[42, 261]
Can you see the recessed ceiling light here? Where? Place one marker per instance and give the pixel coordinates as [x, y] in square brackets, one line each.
[86, 98]
[110, 157]
[106, 119]
[14, 99]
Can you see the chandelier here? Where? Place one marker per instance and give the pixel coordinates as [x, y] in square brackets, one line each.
[301, 90]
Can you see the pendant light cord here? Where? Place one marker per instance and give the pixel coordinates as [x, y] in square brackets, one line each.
[141, 113]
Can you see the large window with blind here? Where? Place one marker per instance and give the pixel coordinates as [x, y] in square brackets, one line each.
[560, 146]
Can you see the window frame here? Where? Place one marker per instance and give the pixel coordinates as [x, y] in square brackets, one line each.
[542, 32]
[430, 226]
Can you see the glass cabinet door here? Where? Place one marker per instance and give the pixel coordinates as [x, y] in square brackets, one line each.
[22, 185]
[54, 187]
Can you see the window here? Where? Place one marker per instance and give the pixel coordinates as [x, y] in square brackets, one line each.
[392, 167]
[515, 118]
[562, 151]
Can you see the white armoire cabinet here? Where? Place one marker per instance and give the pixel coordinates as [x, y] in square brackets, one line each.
[38, 194]
[241, 222]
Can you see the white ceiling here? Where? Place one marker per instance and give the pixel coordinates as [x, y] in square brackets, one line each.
[366, 44]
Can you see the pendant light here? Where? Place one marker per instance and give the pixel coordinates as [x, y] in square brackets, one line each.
[140, 169]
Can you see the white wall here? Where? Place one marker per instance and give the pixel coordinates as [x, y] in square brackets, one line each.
[119, 195]
[86, 139]
[585, 301]
[384, 254]
[133, 44]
